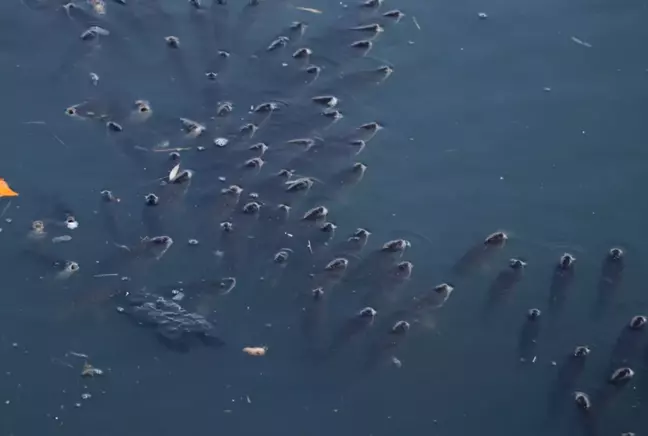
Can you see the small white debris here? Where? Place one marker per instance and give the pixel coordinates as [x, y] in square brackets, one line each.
[62, 238]
[119, 309]
[581, 42]
[94, 78]
[179, 296]
[222, 179]
[192, 241]
[86, 396]
[75, 354]
[97, 276]
[72, 224]
[482, 15]
[397, 363]
[546, 89]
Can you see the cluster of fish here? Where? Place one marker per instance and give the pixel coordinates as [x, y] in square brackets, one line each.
[262, 178]
[627, 348]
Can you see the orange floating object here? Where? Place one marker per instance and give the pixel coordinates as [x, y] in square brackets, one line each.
[5, 190]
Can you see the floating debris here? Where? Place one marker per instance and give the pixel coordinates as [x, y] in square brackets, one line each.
[90, 371]
[62, 238]
[581, 42]
[307, 9]
[255, 351]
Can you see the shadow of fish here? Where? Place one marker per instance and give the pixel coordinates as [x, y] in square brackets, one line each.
[609, 281]
[352, 327]
[626, 349]
[528, 339]
[569, 372]
[561, 280]
[506, 280]
[386, 344]
[477, 257]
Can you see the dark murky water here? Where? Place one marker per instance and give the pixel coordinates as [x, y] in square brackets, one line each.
[530, 121]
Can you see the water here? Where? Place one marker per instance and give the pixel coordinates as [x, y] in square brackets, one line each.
[503, 123]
